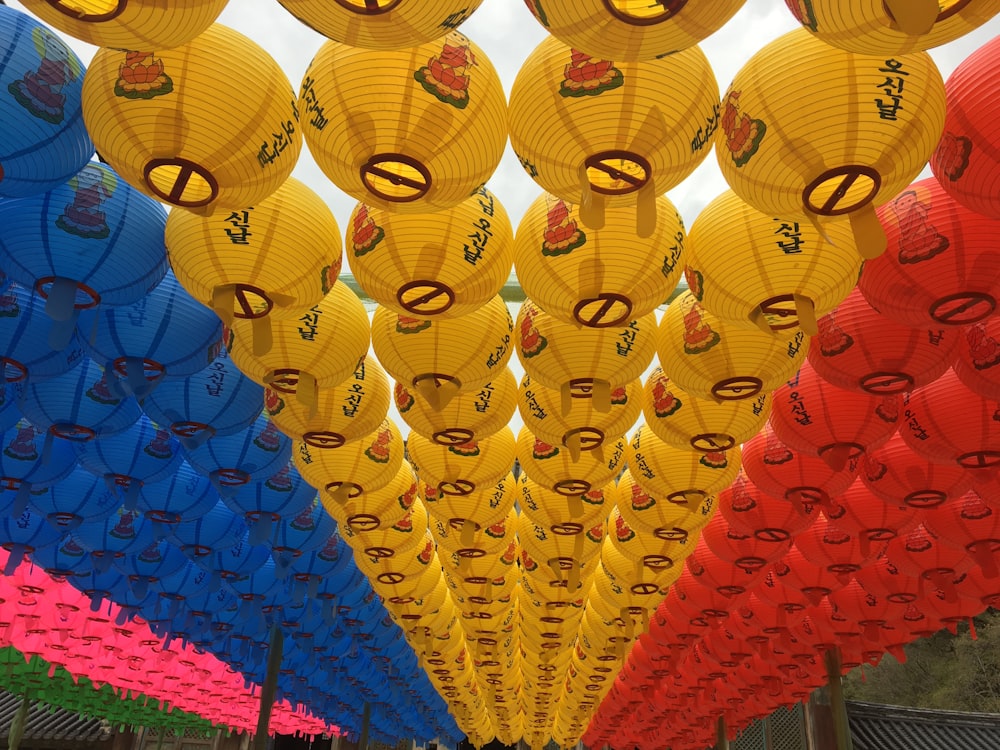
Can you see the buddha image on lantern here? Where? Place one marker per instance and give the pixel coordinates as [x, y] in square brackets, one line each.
[141, 76]
[983, 348]
[952, 156]
[833, 340]
[586, 76]
[695, 281]
[378, 451]
[40, 90]
[698, 335]
[532, 342]
[562, 235]
[743, 133]
[803, 12]
[406, 324]
[9, 307]
[446, 76]
[92, 186]
[159, 446]
[22, 447]
[919, 240]
[367, 234]
[665, 403]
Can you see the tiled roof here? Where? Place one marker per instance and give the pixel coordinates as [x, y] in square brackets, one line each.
[878, 727]
[46, 723]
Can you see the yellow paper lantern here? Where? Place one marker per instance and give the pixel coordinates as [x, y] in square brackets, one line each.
[382, 24]
[320, 348]
[837, 153]
[563, 555]
[344, 413]
[597, 277]
[632, 29]
[555, 469]
[462, 469]
[375, 509]
[647, 575]
[413, 131]
[440, 265]
[479, 589]
[891, 26]
[403, 577]
[483, 506]
[606, 132]
[129, 24]
[270, 260]
[471, 543]
[387, 541]
[545, 413]
[669, 520]
[433, 611]
[641, 546]
[611, 597]
[685, 421]
[360, 467]
[566, 357]
[482, 576]
[424, 355]
[550, 571]
[776, 274]
[554, 511]
[156, 116]
[469, 416]
[715, 361]
[674, 473]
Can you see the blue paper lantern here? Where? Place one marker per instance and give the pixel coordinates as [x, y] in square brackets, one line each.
[253, 455]
[123, 532]
[200, 608]
[150, 564]
[332, 562]
[67, 559]
[44, 139]
[295, 535]
[166, 334]
[25, 533]
[79, 498]
[78, 406]
[217, 530]
[184, 496]
[217, 400]
[262, 504]
[25, 330]
[143, 454]
[238, 561]
[100, 586]
[174, 588]
[92, 241]
[24, 466]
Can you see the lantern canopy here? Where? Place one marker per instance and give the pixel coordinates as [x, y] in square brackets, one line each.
[856, 146]
[46, 142]
[130, 25]
[382, 25]
[154, 114]
[584, 275]
[381, 154]
[616, 132]
[632, 30]
[777, 274]
[437, 265]
[272, 259]
[964, 163]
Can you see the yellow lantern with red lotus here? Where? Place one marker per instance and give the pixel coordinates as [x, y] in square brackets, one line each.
[465, 468]
[557, 469]
[555, 511]
[715, 361]
[374, 509]
[597, 277]
[438, 265]
[414, 130]
[483, 506]
[692, 423]
[671, 520]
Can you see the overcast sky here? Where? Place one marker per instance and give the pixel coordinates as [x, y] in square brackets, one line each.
[507, 32]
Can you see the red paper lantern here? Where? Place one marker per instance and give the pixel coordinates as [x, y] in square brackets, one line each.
[859, 349]
[800, 574]
[722, 576]
[801, 479]
[883, 579]
[977, 356]
[860, 513]
[707, 603]
[940, 268]
[747, 551]
[751, 511]
[921, 554]
[975, 584]
[871, 612]
[781, 597]
[969, 524]
[897, 475]
[966, 162]
[726, 648]
[819, 419]
[835, 549]
[950, 609]
[945, 422]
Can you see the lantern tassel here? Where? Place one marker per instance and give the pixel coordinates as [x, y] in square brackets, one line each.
[805, 311]
[869, 236]
[574, 505]
[468, 535]
[573, 444]
[591, 203]
[565, 399]
[916, 17]
[260, 329]
[21, 499]
[307, 391]
[645, 210]
[223, 299]
[602, 396]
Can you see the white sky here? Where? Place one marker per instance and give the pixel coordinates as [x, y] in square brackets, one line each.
[507, 32]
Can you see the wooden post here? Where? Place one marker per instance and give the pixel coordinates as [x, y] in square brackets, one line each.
[841, 726]
[721, 738]
[269, 687]
[366, 718]
[18, 723]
